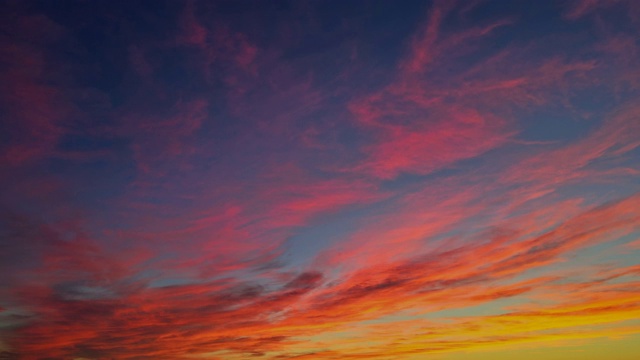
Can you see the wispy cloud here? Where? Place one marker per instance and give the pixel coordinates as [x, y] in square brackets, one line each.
[348, 182]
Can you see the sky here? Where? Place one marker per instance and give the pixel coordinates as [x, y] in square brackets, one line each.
[446, 180]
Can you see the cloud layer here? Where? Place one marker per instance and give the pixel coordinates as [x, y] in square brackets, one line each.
[352, 181]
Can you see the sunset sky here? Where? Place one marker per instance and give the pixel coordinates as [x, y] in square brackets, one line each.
[320, 180]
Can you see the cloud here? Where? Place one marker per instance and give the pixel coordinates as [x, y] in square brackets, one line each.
[35, 110]
[198, 180]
